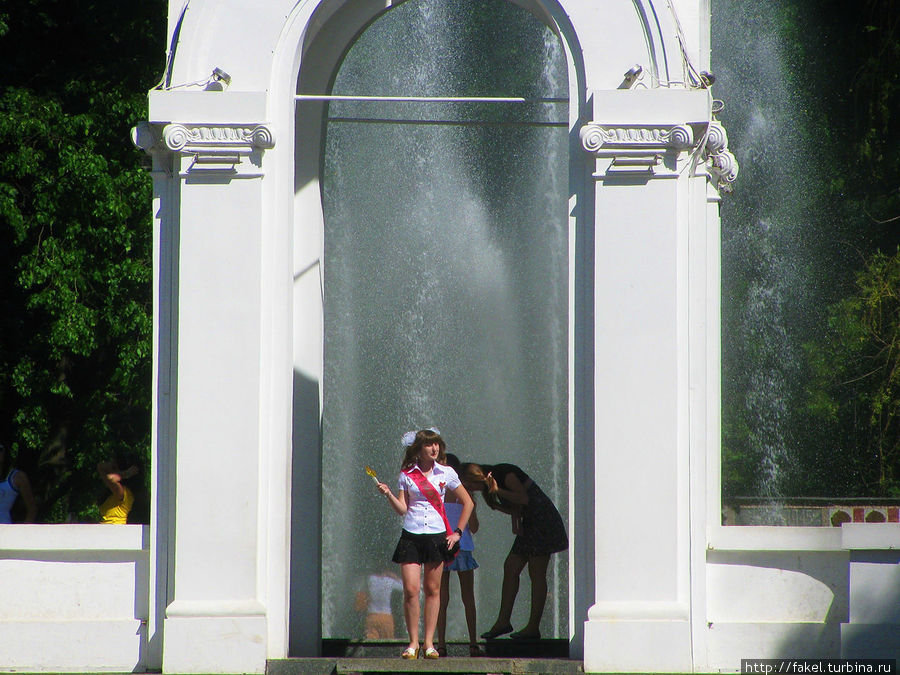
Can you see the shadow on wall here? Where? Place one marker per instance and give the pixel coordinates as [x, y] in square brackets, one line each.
[869, 628]
[306, 485]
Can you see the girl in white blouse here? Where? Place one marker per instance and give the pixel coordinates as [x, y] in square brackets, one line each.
[426, 539]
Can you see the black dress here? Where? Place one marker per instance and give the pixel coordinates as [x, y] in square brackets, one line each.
[542, 531]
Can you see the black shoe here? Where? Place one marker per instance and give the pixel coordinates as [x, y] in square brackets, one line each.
[496, 632]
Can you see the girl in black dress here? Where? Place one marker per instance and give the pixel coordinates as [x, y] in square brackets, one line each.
[539, 530]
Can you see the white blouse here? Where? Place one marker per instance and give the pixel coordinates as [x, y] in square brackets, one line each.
[421, 517]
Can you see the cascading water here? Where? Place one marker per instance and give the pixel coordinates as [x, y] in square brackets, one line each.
[446, 300]
[773, 275]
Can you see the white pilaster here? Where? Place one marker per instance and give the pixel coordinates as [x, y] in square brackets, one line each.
[643, 144]
[215, 618]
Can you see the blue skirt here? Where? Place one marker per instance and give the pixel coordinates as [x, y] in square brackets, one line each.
[464, 562]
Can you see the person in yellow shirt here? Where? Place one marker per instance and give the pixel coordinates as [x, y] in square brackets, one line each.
[114, 510]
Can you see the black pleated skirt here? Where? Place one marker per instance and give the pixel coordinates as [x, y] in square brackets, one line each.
[423, 548]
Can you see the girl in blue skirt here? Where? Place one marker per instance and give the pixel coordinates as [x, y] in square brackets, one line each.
[464, 565]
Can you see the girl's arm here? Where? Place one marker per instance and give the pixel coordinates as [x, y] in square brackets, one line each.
[467, 507]
[512, 491]
[473, 519]
[112, 479]
[400, 505]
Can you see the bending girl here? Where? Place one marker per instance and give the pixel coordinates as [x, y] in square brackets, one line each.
[539, 533]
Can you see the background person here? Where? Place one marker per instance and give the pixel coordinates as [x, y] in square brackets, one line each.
[464, 565]
[539, 531]
[115, 508]
[376, 602]
[14, 484]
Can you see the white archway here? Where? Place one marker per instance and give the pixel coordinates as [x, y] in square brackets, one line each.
[237, 176]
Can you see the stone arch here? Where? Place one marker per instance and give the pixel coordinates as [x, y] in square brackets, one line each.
[322, 35]
[224, 264]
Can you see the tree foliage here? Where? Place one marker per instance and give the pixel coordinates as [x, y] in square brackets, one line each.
[855, 389]
[75, 233]
[818, 345]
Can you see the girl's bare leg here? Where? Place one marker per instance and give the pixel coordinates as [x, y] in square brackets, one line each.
[537, 572]
[433, 574]
[467, 594]
[409, 574]
[512, 568]
[442, 615]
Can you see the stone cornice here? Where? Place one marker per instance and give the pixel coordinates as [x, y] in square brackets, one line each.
[191, 139]
[600, 138]
[658, 150]
[210, 146]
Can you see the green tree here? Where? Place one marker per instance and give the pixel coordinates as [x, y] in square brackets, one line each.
[822, 214]
[855, 391]
[76, 241]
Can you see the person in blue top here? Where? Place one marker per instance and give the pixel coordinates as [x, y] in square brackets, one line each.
[464, 565]
[539, 531]
[14, 484]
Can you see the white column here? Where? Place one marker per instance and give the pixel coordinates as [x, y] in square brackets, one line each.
[643, 143]
[215, 618]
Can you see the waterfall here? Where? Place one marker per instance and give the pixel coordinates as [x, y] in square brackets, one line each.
[772, 267]
[446, 290]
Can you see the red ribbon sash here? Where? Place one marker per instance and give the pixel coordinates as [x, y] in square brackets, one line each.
[432, 495]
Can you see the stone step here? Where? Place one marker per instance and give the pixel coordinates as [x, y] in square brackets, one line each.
[502, 648]
[451, 664]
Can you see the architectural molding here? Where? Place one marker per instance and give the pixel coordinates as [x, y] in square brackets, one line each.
[598, 138]
[649, 150]
[192, 139]
[210, 146]
[722, 164]
[642, 147]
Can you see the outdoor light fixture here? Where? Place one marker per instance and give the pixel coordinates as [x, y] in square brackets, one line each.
[631, 76]
[219, 75]
[707, 78]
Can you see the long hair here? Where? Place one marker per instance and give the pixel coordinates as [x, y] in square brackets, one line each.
[423, 437]
[477, 472]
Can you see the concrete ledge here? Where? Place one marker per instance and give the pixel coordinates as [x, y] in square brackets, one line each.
[503, 648]
[72, 646]
[870, 536]
[81, 538]
[774, 538]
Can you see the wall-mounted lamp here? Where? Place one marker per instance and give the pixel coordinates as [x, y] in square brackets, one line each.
[220, 75]
[218, 81]
[631, 76]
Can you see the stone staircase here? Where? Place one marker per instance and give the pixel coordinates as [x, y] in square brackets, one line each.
[503, 657]
[467, 665]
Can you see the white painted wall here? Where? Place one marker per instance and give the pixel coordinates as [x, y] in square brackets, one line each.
[75, 597]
